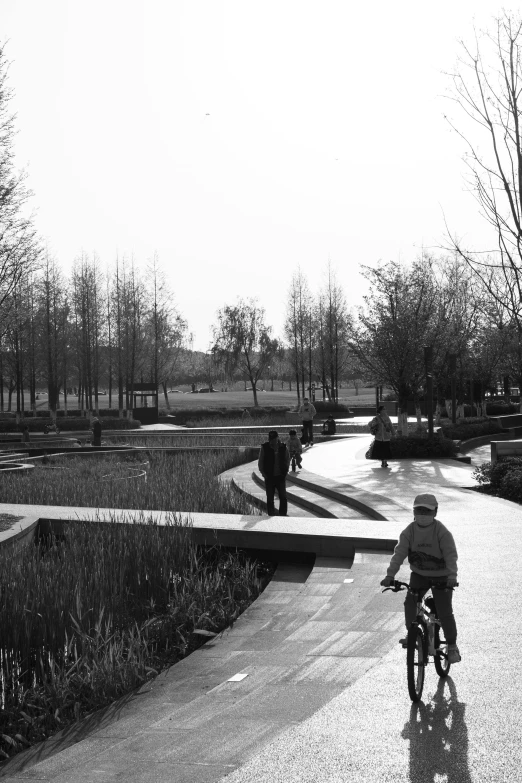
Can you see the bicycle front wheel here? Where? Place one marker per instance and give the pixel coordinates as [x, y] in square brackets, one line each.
[416, 661]
[442, 664]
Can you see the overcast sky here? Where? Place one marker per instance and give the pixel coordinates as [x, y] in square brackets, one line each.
[240, 139]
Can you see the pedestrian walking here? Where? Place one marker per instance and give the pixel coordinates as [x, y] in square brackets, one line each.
[246, 414]
[382, 430]
[273, 464]
[307, 413]
[96, 432]
[432, 555]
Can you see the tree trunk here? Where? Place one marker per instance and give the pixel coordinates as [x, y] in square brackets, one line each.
[166, 394]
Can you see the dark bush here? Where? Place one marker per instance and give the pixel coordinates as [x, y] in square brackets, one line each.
[502, 408]
[327, 406]
[422, 446]
[511, 484]
[37, 425]
[473, 428]
[495, 474]
[181, 416]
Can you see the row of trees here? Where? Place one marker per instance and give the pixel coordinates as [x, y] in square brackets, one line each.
[112, 328]
[96, 330]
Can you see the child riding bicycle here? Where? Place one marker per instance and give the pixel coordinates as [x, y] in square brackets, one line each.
[295, 446]
[432, 555]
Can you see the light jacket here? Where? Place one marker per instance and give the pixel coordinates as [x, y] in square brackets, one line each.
[384, 426]
[307, 411]
[430, 550]
[294, 444]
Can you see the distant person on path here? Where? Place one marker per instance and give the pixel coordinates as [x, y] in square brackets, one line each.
[329, 426]
[96, 432]
[246, 414]
[307, 413]
[25, 434]
[294, 445]
[382, 430]
[432, 554]
[273, 464]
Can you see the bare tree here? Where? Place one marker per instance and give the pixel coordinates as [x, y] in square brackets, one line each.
[487, 87]
[241, 333]
[165, 329]
[299, 330]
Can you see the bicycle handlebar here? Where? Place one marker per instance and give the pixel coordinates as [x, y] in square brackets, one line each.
[398, 586]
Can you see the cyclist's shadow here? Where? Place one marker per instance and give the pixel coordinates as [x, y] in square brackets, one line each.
[438, 738]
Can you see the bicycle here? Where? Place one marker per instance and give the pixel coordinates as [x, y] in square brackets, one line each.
[293, 460]
[425, 638]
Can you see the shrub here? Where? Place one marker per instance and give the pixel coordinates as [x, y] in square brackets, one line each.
[502, 408]
[327, 406]
[194, 415]
[471, 428]
[511, 484]
[421, 445]
[494, 474]
[37, 425]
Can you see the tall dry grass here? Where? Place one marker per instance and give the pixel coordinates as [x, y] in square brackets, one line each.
[172, 482]
[87, 618]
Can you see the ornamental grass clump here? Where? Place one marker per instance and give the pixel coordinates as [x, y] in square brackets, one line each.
[90, 616]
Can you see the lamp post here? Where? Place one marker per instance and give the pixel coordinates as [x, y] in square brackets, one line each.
[428, 361]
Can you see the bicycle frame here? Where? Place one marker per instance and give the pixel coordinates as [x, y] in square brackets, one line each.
[422, 636]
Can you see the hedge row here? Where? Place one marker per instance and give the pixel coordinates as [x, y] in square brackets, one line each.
[473, 428]
[71, 413]
[504, 478]
[422, 446]
[35, 425]
[194, 414]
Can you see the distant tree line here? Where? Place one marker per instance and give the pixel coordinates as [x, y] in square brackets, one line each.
[109, 328]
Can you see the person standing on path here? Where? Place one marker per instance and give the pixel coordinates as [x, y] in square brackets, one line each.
[382, 430]
[96, 432]
[307, 412]
[432, 555]
[273, 464]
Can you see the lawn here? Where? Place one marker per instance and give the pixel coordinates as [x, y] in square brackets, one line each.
[219, 399]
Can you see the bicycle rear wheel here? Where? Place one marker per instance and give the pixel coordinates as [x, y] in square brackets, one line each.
[415, 661]
[442, 664]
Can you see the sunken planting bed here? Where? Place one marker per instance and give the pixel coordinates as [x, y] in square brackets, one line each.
[91, 614]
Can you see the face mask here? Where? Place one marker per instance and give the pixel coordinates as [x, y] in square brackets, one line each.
[422, 519]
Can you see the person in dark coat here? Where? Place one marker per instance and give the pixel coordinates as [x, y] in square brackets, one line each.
[273, 464]
[96, 432]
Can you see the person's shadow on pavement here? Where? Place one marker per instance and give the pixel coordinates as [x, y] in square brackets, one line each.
[438, 738]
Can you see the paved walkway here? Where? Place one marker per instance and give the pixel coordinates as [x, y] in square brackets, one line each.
[325, 695]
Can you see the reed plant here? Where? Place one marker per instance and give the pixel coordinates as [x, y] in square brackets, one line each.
[94, 614]
[165, 482]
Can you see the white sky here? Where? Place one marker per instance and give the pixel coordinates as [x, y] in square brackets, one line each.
[240, 139]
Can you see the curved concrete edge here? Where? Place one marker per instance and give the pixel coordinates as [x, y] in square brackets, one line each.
[322, 537]
[22, 531]
[482, 440]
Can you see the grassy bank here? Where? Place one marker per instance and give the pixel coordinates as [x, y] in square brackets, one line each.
[92, 616]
